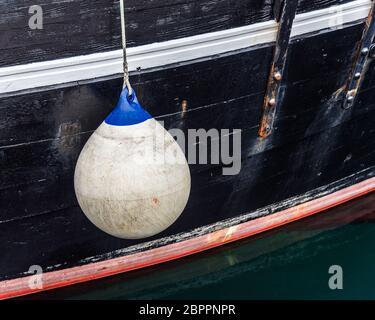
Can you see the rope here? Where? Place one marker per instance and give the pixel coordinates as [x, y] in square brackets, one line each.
[125, 60]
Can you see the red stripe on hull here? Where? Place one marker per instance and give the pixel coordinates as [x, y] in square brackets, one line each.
[56, 279]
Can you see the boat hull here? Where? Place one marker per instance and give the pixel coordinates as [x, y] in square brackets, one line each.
[185, 244]
[318, 156]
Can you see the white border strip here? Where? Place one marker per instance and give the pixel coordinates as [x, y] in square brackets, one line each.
[53, 72]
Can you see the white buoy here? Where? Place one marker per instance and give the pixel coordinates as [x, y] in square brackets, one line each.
[132, 179]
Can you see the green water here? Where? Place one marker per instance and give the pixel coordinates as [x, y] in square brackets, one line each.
[291, 262]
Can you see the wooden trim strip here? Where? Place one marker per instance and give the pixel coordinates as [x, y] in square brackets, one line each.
[56, 279]
[169, 53]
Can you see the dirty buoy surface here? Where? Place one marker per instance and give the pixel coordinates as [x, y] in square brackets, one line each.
[132, 179]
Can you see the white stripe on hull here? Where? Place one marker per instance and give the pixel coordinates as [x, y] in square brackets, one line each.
[80, 68]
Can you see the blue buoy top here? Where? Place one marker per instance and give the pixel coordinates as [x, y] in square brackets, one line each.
[128, 111]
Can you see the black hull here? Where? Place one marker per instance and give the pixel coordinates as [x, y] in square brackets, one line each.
[91, 27]
[316, 144]
[262, 252]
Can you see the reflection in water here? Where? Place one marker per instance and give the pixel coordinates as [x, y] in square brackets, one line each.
[291, 262]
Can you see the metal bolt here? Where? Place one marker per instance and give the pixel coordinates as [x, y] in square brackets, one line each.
[350, 99]
[350, 96]
[357, 75]
[365, 51]
[278, 76]
[272, 102]
[372, 51]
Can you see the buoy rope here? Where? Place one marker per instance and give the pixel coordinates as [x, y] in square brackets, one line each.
[125, 59]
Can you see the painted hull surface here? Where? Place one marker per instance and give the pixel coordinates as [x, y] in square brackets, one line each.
[319, 154]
